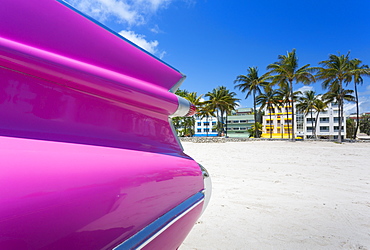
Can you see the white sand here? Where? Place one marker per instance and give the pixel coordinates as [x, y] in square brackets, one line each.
[284, 195]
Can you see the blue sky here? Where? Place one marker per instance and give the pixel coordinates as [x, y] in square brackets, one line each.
[214, 41]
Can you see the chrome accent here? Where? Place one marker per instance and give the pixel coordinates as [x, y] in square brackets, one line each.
[178, 84]
[207, 186]
[150, 232]
[183, 107]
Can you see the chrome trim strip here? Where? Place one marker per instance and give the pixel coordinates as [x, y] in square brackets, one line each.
[150, 232]
[207, 186]
[183, 107]
[178, 84]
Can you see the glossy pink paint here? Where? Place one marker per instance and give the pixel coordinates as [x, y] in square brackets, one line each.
[88, 156]
[71, 196]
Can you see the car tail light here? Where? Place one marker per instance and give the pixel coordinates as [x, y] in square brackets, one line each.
[185, 108]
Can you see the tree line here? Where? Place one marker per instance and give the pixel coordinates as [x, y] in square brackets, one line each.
[275, 88]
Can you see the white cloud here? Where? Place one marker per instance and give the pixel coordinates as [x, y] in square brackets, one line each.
[140, 40]
[306, 88]
[133, 12]
[156, 29]
[363, 103]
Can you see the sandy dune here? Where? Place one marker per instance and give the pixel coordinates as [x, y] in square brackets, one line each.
[284, 195]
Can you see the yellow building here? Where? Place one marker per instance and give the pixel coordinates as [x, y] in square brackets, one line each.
[277, 122]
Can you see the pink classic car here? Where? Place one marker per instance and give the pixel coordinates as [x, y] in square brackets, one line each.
[88, 156]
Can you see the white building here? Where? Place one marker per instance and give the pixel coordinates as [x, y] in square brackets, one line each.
[280, 125]
[205, 126]
[327, 124]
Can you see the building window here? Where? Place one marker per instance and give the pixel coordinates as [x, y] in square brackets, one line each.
[311, 119]
[244, 121]
[324, 129]
[324, 119]
[336, 129]
[243, 128]
[199, 124]
[206, 123]
[309, 129]
[206, 130]
[213, 123]
[336, 119]
[199, 130]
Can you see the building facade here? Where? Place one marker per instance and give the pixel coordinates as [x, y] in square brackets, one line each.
[327, 124]
[278, 122]
[239, 122]
[205, 126]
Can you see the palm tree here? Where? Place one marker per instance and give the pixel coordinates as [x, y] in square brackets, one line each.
[320, 106]
[251, 84]
[283, 95]
[194, 99]
[334, 95]
[206, 111]
[307, 104]
[223, 101]
[286, 70]
[334, 72]
[187, 123]
[357, 71]
[268, 98]
[256, 128]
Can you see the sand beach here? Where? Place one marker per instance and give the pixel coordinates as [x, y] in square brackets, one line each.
[284, 195]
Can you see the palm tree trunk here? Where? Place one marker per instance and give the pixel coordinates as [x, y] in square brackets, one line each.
[339, 121]
[218, 122]
[291, 96]
[317, 117]
[270, 121]
[287, 119]
[207, 125]
[222, 121]
[311, 124]
[226, 126]
[255, 114]
[357, 113]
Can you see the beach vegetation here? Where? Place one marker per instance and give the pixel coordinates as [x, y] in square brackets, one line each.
[320, 106]
[252, 84]
[223, 101]
[270, 99]
[350, 128]
[357, 71]
[365, 124]
[206, 111]
[286, 69]
[307, 104]
[256, 129]
[334, 72]
[283, 95]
